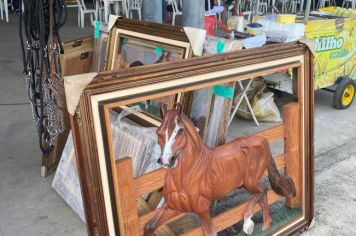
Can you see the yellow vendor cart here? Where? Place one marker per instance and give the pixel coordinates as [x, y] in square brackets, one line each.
[335, 57]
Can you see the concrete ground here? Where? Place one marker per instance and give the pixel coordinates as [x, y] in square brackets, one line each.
[29, 206]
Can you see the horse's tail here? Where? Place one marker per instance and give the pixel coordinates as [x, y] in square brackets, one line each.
[282, 185]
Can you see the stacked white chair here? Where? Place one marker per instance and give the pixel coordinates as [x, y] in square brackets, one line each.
[4, 8]
[261, 7]
[134, 5]
[177, 10]
[349, 4]
[74, 4]
[215, 10]
[322, 3]
[284, 5]
[84, 10]
[294, 5]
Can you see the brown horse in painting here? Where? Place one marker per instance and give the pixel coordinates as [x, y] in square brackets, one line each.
[198, 175]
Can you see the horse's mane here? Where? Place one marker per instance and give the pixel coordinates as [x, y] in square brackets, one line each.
[190, 127]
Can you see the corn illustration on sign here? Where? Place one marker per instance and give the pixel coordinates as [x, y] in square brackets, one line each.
[335, 53]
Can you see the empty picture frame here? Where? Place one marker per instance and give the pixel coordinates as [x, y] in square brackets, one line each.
[111, 210]
[135, 43]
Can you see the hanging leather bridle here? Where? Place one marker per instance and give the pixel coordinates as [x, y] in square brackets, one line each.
[39, 23]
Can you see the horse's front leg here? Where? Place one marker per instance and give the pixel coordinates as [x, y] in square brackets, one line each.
[159, 219]
[203, 211]
[207, 224]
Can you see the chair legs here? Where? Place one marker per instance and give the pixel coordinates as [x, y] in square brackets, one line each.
[79, 20]
[139, 14]
[284, 7]
[6, 8]
[174, 19]
[93, 17]
[1, 10]
[82, 19]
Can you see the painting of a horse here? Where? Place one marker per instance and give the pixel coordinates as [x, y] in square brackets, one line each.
[197, 175]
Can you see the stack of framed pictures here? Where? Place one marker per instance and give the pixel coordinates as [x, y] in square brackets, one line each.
[117, 202]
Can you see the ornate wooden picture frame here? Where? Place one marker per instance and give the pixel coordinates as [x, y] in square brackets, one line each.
[109, 189]
[146, 38]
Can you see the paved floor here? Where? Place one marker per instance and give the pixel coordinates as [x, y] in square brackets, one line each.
[29, 206]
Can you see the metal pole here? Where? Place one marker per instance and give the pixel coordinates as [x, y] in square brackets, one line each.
[307, 11]
[193, 13]
[152, 10]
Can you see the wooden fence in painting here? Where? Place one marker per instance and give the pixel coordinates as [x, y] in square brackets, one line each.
[134, 212]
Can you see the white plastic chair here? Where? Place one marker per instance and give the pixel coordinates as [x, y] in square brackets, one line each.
[74, 4]
[84, 10]
[262, 7]
[284, 5]
[4, 7]
[349, 3]
[293, 5]
[134, 5]
[247, 15]
[105, 6]
[100, 10]
[322, 3]
[176, 10]
[215, 10]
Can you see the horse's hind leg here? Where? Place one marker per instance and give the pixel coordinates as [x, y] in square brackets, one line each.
[260, 197]
[267, 220]
[248, 213]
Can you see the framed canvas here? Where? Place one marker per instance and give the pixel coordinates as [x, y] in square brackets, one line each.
[118, 203]
[135, 43]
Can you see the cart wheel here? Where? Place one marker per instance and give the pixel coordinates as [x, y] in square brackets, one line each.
[344, 94]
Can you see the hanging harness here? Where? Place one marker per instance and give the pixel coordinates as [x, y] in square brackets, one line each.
[40, 23]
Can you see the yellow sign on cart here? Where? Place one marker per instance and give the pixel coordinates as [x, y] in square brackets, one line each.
[335, 54]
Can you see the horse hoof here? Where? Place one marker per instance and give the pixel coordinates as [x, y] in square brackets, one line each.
[148, 229]
[266, 225]
[248, 226]
[212, 234]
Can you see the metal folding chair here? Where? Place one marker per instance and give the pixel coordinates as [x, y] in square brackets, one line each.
[243, 96]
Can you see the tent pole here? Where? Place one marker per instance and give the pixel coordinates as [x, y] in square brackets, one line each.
[307, 11]
[152, 10]
[193, 13]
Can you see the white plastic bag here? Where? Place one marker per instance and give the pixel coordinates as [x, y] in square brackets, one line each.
[139, 143]
[263, 105]
[211, 45]
[129, 140]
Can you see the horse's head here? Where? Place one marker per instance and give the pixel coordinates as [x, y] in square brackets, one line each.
[172, 136]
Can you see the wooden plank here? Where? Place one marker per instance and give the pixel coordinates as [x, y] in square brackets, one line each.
[154, 199]
[292, 149]
[149, 182]
[127, 206]
[272, 134]
[145, 218]
[231, 217]
[183, 224]
[144, 208]
[222, 221]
